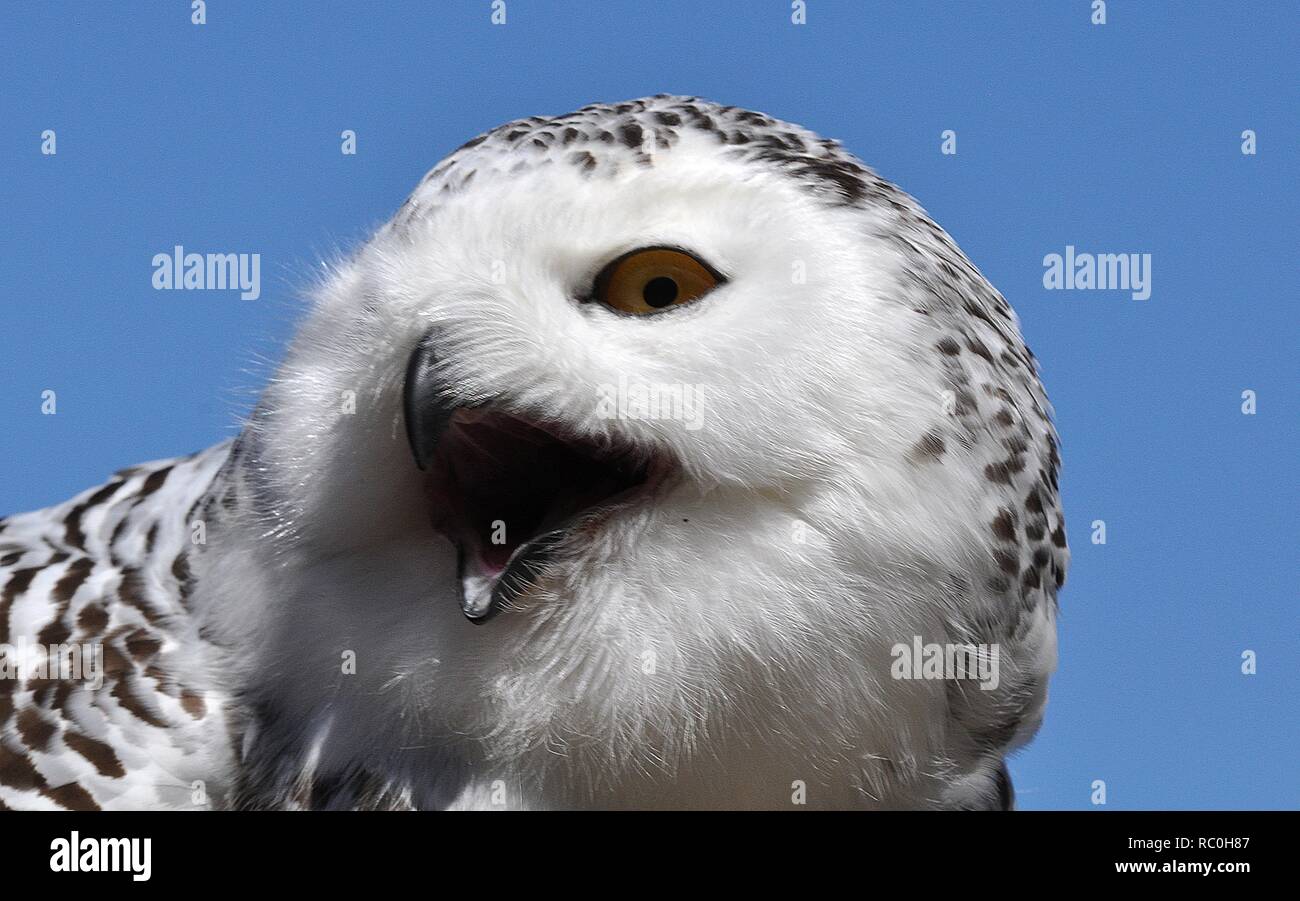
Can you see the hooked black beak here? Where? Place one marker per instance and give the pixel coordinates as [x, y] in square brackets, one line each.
[424, 404]
[428, 413]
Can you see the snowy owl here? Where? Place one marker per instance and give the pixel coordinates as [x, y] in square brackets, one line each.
[657, 455]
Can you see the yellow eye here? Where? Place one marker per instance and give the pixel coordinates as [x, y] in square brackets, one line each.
[654, 279]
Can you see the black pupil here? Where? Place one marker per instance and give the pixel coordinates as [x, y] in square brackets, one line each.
[659, 292]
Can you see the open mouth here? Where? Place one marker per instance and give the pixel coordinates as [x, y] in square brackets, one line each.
[509, 492]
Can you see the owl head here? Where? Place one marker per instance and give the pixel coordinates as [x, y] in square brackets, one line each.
[639, 436]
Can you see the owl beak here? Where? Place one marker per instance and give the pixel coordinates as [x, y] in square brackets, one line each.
[428, 414]
[505, 490]
[425, 406]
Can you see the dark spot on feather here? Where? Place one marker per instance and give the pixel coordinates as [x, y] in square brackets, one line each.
[17, 771]
[131, 591]
[77, 573]
[103, 494]
[1004, 525]
[56, 632]
[72, 533]
[35, 731]
[193, 704]
[19, 581]
[998, 472]
[61, 693]
[843, 175]
[632, 135]
[153, 482]
[72, 797]
[1032, 579]
[92, 620]
[134, 706]
[116, 664]
[117, 534]
[931, 446]
[1008, 563]
[142, 645]
[977, 347]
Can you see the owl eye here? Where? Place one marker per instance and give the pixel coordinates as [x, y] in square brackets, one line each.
[653, 279]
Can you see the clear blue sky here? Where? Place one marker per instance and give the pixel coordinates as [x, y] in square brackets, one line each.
[1115, 138]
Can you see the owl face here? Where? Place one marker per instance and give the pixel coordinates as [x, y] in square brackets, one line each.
[657, 396]
[592, 369]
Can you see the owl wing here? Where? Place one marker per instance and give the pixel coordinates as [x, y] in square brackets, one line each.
[104, 701]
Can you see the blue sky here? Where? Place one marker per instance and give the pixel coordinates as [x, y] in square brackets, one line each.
[1117, 138]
